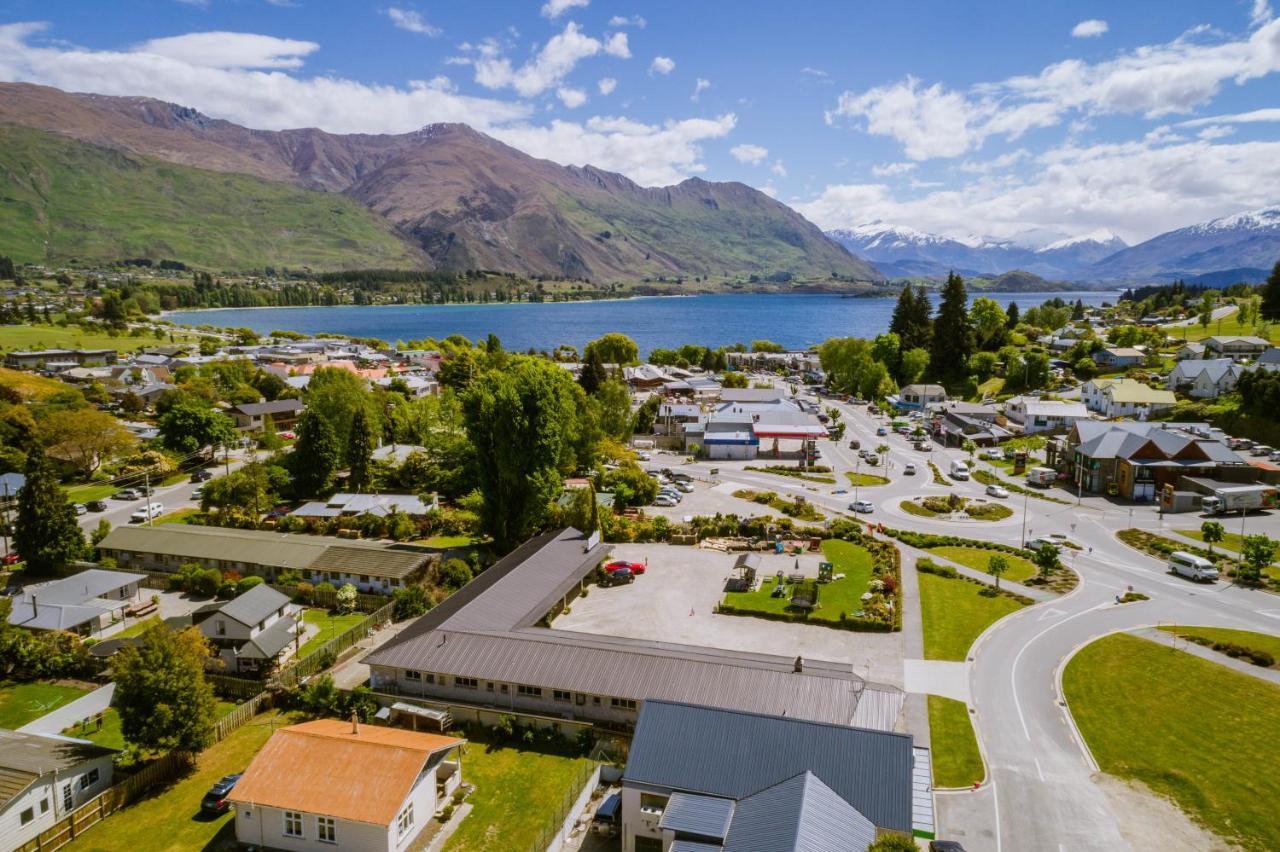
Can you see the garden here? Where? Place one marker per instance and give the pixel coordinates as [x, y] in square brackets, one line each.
[953, 746]
[952, 504]
[1049, 572]
[798, 508]
[955, 610]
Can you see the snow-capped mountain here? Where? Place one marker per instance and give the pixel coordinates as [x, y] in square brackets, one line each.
[1249, 242]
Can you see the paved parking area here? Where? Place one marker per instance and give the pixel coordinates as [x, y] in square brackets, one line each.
[674, 601]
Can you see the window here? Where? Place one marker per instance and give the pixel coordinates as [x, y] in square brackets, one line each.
[89, 779]
[432, 678]
[44, 806]
[652, 804]
[222, 627]
[404, 823]
[561, 695]
[28, 815]
[623, 703]
[531, 691]
[326, 830]
[488, 687]
[410, 674]
[595, 699]
[66, 797]
[466, 682]
[292, 824]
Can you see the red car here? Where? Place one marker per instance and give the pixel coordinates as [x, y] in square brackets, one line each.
[9, 559]
[633, 567]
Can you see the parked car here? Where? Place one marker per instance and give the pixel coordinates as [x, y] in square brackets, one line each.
[864, 507]
[10, 559]
[215, 801]
[1261, 450]
[855, 444]
[96, 505]
[126, 494]
[608, 818]
[994, 490]
[201, 475]
[621, 564]
[81, 508]
[665, 501]
[147, 513]
[643, 456]
[685, 487]
[922, 446]
[618, 578]
[882, 431]
[197, 494]
[909, 470]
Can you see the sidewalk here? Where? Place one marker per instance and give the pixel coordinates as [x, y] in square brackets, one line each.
[353, 672]
[1206, 653]
[64, 717]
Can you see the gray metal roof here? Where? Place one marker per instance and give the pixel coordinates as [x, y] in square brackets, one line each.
[693, 846]
[270, 642]
[254, 605]
[800, 814]
[24, 758]
[67, 603]
[735, 754]
[705, 816]
[279, 406]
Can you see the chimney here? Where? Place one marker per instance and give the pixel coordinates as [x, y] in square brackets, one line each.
[799, 666]
[355, 723]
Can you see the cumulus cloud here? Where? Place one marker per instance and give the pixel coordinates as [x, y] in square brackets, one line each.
[699, 87]
[572, 98]
[556, 8]
[1091, 28]
[555, 61]
[616, 45]
[778, 168]
[746, 153]
[408, 19]
[607, 85]
[1261, 13]
[223, 49]
[892, 169]
[627, 21]
[662, 65]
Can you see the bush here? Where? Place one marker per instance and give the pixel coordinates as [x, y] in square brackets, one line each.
[410, 603]
[454, 573]
[248, 583]
[206, 581]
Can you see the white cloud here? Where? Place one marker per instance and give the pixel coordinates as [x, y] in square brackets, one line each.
[751, 154]
[1261, 13]
[769, 189]
[778, 168]
[699, 87]
[228, 50]
[1089, 29]
[408, 19]
[1215, 131]
[616, 45]
[572, 98]
[892, 169]
[1252, 117]
[556, 8]
[662, 65]
[607, 85]
[627, 21]
[557, 58]
[814, 72]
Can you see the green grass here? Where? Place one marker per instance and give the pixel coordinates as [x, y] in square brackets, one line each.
[1232, 543]
[517, 794]
[137, 629]
[21, 703]
[181, 516]
[977, 558]
[91, 491]
[978, 511]
[865, 479]
[835, 597]
[62, 199]
[798, 508]
[1212, 751]
[1228, 325]
[170, 821]
[29, 384]
[992, 387]
[15, 338]
[794, 473]
[953, 746]
[330, 624]
[111, 736]
[448, 542]
[1248, 638]
[955, 612]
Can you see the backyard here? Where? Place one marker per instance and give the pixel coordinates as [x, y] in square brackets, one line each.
[110, 735]
[836, 597]
[952, 744]
[978, 558]
[955, 611]
[34, 337]
[1213, 756]
[21, 703]
[328, 624]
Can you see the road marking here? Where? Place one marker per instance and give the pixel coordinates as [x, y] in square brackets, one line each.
[995, 798]
[1039, 771]
[1051, 612]
[1270, 613]
[1013, 671]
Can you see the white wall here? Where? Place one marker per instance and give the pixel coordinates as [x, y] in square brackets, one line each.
[263, 826]
[13, 834]
[584, 796]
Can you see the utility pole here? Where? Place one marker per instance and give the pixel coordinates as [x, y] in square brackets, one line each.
[1026, 494]
[4, 519]
[226, 458]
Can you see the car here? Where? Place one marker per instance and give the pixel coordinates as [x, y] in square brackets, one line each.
[1261, 450]
[215, 800]
[643, 456]
[608, 817]
[993, 455]
[96, 505]
[909, 470]
[665, 501]
[839, 491]
[945, 846]
[126, 494]
[922, 446]
[872, 459]
[882, 431]
[1192, 567]
[994, 490]
[288, 436]
[81, 508]
[855, 444]
[618, 578]
[1041, 541]
[862, 506]
[201, 475]
[10, 559]
[1274, 457]
[197, 494]
[620, 564]
[680, 477]
[278, 512]
[148, 512]
[683, 486]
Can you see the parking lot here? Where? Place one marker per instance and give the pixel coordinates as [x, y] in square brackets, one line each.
[674, 601]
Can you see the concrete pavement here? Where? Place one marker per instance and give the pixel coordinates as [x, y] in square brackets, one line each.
[64, 717]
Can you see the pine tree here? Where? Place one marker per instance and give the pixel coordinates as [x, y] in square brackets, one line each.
[953, 338]
[911, 320]
[1014, 315]
[1271, 295]
[315, 456]
[46, 534]
[593, 372]
[360, 451]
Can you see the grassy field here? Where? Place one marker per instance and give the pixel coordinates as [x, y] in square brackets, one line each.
[448, 542]
[1232, 543]
[1212, 755]
[26, 337]
[1248, 638]
[137, 629]
[29, 384]
[516, 793]
[834, 598]
[170, 821]
[952, 744]
[21, 703]
[865, 479]
[1228, 325]
[330, 624]
[955, 612]
[110, 735]
[976, 558]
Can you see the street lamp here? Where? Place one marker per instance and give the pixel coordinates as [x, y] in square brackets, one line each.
[1026, 494]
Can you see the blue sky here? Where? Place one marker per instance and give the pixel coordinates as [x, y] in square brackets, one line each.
[1030, 121]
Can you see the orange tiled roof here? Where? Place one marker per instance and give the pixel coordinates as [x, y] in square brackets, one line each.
[321, 767]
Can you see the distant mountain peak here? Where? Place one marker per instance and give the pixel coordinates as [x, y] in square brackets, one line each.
[1102, 236]
[1264, 218]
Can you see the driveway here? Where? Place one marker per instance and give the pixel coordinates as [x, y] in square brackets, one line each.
[67, 715]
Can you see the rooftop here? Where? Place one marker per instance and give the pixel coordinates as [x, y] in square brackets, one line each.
[67, 603]
[24, 758]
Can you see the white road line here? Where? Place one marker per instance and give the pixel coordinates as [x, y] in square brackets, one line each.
[995, 798]
[1039, 771]
[1013, 670]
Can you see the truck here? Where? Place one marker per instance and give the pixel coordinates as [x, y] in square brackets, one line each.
[959, 470]
[1041, 477]
[1240, 498]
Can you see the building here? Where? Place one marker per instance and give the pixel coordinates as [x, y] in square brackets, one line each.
[1119, 358]
[352, 505]
[84, 603]
[484, 646]
[1125, 398]
[955, 427]
[1041, 415]
[374, 567]
[706, 779]
[1235, 347]
[328, 784]
[33, 360]
[1190, 350]
[250, 417]
[44, 778]
[1270, 360]
[253, 631]
[917, 397]
[1205, 379]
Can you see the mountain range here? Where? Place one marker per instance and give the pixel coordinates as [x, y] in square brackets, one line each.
[445, 197]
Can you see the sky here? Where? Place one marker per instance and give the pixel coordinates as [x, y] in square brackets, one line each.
[1023, 121]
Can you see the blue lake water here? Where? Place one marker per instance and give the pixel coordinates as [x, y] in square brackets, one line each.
[793, 320]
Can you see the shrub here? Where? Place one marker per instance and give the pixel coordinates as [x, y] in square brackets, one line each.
[410, 602]
[248, 583]
[206, 581]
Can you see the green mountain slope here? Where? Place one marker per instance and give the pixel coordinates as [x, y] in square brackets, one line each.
[61, 199]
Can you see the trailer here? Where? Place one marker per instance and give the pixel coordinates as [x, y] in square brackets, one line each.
[1222, 498]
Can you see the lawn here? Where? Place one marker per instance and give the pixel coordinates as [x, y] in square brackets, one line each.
[834, 598]
[448, 542]
[21, 703]
[1227, 325]
[180, 516]
[331, 624]
[1246, 638]
[1210, 753]
[517, 794]
[110, 734]
[1231, 543]
[170, 821]
[865, 479]
[977, 558]
[955, 612]
[28, 337]
[952, 744]
[90, 491]
[137, 629]
[31, 385]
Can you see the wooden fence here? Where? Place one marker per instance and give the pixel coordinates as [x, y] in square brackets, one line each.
[239, 716]
[289, 676]
[240, 688]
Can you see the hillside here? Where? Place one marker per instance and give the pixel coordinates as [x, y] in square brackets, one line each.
[63, 200]
[469, 201]
[1242, 241]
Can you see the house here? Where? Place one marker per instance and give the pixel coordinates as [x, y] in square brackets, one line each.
[370, 566]
[1040, 415]
[917, 397]
[416, 386]
[31, 360]
[351, 505]
[1118, 358]
[1235, 347]
[84, 603]
[328, 784]
[673, 417]
[1125, 398]
[249, 417]
[43, 778]
[253, 631]
[1205, 379]
[395, 454]
[1270, 360]
[707, 779]
[955, 428]
[1189, 350]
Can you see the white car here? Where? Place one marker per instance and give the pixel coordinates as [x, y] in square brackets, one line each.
[643, 456]
[994, 490]
[664, 500]
[147, 513]
[865, 507]
[909, 470]
[686, 487]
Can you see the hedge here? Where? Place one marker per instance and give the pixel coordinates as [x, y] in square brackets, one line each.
[928, 566]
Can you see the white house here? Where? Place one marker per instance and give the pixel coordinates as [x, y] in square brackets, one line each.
[251, 631]
[1237, 346]
[326, 785]
[917, 397]
[1040, 415]
[84, 603]
[1205, 379]
[1125, 398]
[1190, 350]
[44, 778]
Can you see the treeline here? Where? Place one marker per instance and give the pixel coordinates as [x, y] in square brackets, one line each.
[1157, 297]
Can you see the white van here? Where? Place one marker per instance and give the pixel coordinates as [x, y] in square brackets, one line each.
[959, 470]
[1192, 567]
[147, 513]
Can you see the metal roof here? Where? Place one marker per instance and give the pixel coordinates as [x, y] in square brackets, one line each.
[800, 814]
[279, 406]
[270, 642]
[705, 816]
[24, 758]
[377, 562]
[254, 605]
[732, 753]
[67, 603]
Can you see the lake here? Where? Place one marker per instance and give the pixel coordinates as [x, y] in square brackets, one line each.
[794, 320]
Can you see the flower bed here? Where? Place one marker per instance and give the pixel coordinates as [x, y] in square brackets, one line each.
[799, 508]
[938, 478]
[935, 506]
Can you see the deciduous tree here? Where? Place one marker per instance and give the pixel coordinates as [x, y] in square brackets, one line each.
[164, 701]
[189, 426]
[1212, 532]
[614, 348]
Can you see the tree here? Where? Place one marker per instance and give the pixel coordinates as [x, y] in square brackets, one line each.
[84, 437]
[1205, 311]
[1046, 558]
[248, 492]
[983, 365]
[646, 415]
[766, 346]
[613, 408]
[315, 456]
[1012, 316]
[911, 320]
[131, 405]
[996, 567]
[1212, 532]
[46, 534]
[893, 843]
[1270, 308]
[914, 364]
[336, 395]
[189, 426]
[887, 349]
[164, 701]
[989, 322]
[346, 598]
[360, 451]
[409, 602]
[593, 372]
[969, 447]
[454, 574]
[1258, 552]
[953, 339]
[614, 348]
